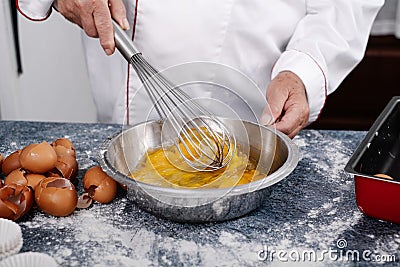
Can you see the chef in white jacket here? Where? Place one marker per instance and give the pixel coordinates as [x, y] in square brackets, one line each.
[296, 52]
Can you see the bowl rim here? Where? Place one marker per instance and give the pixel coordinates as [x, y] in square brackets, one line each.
[283, 171]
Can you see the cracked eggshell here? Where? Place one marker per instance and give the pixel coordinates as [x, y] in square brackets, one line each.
[84, 201]
[64, 147]
[67, 166]
[16, 177]
[56, 196]
[38, 158]
[15, 201]
[20, 176]
[34, 179]
[101, 187]
[11, 162]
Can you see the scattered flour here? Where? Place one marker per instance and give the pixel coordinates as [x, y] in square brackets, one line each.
[121, 235]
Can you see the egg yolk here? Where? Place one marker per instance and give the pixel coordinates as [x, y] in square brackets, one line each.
[158, 167]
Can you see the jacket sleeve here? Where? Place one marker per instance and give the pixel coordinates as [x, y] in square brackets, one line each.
[326, 45]
[36, 10]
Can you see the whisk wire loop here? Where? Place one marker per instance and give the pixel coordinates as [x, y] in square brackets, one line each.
[202, 140]
[207, 143]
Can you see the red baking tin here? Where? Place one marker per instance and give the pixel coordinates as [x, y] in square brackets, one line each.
[379, 152]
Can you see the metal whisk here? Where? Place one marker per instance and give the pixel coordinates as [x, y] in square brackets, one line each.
[203, 141]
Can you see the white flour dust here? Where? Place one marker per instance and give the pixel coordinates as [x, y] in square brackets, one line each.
[104, 235]
[101, 241]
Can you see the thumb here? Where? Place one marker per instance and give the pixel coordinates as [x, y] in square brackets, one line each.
[266, 117]
[275, 105]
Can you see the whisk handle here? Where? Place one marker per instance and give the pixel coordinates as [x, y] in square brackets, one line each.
[124, 43]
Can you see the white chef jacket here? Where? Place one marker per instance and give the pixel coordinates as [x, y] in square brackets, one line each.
[9, 102]
[246, 42]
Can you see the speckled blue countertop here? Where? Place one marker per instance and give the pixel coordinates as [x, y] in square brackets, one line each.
[311, 216]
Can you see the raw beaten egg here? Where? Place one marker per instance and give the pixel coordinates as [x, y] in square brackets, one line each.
[157, 168]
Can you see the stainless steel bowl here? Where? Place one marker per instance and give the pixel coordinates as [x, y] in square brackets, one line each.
[275, 153]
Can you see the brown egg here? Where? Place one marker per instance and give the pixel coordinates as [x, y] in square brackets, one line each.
[34, 179]
[99, 185]
[381, 175]
[64, 147]
[16, 177]
[15, 201]
[56, 196]
[11, 162]
[38, 158]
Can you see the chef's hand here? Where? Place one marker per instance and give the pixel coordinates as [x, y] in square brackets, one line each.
[94, 17]
[287, 99]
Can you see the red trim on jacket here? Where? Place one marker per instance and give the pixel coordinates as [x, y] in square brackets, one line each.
[26, 16]
[323, 74]
[326, 95]
[325, 87]
[129, 69]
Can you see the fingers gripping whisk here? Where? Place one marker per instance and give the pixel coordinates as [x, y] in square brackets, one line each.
[203, 141]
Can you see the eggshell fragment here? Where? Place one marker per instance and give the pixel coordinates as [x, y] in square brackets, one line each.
[53, 173]
[38, 158]
[101, 187]
[84, 201]
[34, 179]
[11, 162]
[15, 201]
[56, 196]
[16, 177]
[67, 166]
[64, 147]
